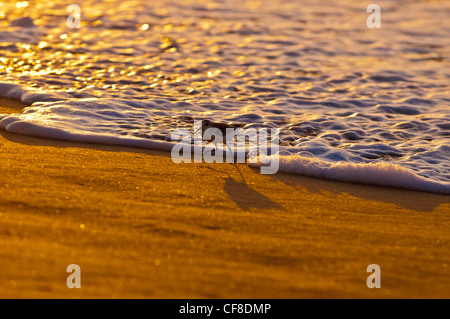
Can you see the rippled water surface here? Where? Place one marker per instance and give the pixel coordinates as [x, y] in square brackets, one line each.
[339, 91]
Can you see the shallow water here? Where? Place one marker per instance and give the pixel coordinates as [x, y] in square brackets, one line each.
[343, 95]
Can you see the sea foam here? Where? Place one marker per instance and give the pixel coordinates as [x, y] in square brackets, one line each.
[352, 103]
[382, 174]
[112, 122]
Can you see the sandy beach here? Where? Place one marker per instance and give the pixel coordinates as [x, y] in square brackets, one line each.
[140, 226]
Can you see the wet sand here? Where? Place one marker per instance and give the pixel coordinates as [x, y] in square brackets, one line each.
[140, 226]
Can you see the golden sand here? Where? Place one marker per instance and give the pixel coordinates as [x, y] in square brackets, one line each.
[140, 226]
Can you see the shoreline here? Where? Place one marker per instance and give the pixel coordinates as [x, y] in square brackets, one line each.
[404, 178]
[141, 226]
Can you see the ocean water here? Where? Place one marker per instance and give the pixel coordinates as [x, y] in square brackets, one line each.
[352, 103]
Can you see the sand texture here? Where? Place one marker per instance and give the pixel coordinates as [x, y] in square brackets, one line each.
[140, 226]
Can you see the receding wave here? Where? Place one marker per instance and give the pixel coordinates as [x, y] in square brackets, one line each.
[368, 106]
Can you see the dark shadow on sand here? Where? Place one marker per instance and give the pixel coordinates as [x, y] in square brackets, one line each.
[400, 197]
[244, 196]
[42, 141]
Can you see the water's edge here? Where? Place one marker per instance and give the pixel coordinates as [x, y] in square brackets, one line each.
[381, 174]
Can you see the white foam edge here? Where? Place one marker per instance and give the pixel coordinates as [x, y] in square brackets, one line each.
[381, 174]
